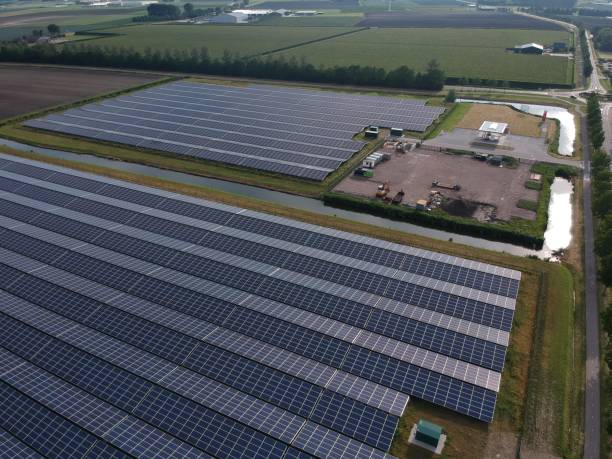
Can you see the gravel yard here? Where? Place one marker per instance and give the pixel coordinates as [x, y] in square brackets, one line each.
[414, 172]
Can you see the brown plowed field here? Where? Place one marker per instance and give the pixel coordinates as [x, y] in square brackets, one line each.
[26, 89]
[475, 20]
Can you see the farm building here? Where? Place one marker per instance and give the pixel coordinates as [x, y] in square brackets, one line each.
[230, 18]
[529, 48]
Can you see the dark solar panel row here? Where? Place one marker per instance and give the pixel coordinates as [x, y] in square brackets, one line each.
[434, 338]
[258, 224]
[304, 95]
[109, 112]
[308, 140]
[262, 123]
[191, 314]
[82, 265]
[387, 116]
[88, 267]
[449, 304]
[195, 152]
[342, 119]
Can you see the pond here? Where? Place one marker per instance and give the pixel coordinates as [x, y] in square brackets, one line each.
[559, 231]
[567, 134]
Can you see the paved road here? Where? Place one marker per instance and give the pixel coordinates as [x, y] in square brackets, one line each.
[526, 148]
[592, 402]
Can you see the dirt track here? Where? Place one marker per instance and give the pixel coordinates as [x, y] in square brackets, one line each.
[26, 89]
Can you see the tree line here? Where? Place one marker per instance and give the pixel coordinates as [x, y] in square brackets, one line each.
[199, 61]
[169, 12]
[601, 179]
[587, 67]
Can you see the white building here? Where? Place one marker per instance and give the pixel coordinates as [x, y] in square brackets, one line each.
[230, 18]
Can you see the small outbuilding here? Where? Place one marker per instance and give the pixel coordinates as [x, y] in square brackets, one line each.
[427, 435]
[492, 130]
[529, 48]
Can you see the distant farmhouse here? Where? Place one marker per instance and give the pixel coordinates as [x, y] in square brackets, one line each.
[244, 16]
[529, 48]
[230, 18]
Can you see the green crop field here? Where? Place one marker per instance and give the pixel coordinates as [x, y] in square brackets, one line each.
[245, 40]
[462, 53]
[475, 53]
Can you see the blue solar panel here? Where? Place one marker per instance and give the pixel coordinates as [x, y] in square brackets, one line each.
[186, 317]
[296, 133]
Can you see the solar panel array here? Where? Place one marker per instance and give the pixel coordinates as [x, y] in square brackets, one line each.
[139, 322]
[297, 132]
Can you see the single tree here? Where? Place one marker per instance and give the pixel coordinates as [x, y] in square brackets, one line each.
[188, 8]
[451, 96]
[53, 30]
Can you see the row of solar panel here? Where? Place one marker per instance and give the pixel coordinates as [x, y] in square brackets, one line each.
[260, 121]
[350, 417]
[290, 364]
[427, 336]
[305, 107]
[425, 263]
[199, 153]
[246, 111]
[370, 279]
[458, 395]
[475, 380]
[231, 144]
[214, 125]
[66, 379]
[288, 151]
[274, 289]
[404, 289]
[324, 115]
[305, 95]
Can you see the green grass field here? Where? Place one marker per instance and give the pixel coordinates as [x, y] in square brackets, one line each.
[464, 53]
[245, 40]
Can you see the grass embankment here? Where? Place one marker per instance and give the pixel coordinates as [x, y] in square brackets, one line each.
[539, 351]
[450, 120]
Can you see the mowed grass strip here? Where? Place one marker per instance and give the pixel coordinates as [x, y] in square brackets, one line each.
[477, 53]
[244, 40]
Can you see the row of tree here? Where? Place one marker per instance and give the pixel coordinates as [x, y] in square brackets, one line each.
[587, 68]
[169, 12]
[601, 177]
[199, 61]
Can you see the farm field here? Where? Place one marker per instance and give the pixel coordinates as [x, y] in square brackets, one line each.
[25, 89]
[244, 39]
[478, 54]
[15, 23]
[459, 19]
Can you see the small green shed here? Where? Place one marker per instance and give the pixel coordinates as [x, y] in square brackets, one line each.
[428, 433]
